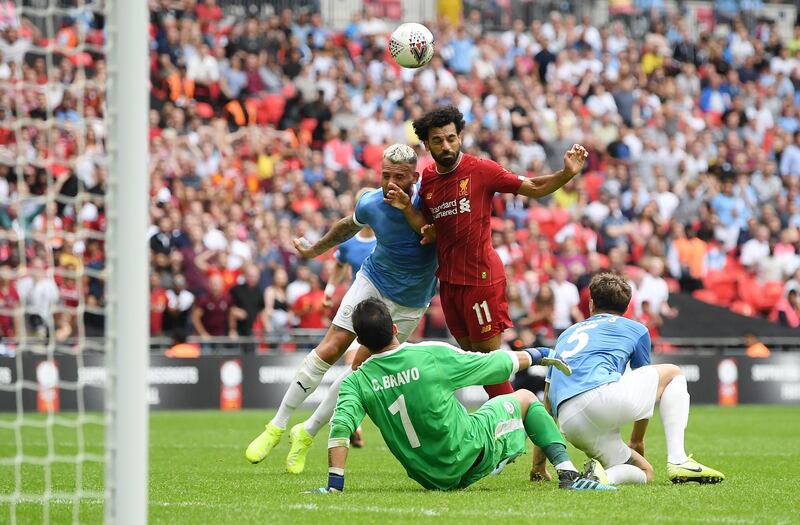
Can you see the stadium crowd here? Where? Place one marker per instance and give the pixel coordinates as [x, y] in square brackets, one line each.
[264, 129]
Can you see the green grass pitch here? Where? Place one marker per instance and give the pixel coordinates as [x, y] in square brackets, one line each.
[198, 475]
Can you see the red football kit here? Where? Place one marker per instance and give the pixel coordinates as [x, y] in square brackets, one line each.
[471, 274]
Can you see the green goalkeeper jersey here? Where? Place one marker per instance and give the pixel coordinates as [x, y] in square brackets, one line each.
[409, 393]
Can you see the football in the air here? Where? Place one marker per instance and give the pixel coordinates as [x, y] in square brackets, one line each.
[411, 45]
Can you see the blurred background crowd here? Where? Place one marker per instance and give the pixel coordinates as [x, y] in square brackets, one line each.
[264, 128]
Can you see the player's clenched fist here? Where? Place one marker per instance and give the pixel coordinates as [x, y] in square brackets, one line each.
[574, 159]
[304, 248]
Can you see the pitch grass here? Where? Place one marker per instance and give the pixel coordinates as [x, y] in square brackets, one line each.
[198, 475]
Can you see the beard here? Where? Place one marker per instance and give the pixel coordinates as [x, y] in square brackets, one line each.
[446, 160]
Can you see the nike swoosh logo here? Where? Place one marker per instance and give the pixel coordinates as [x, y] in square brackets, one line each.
[309, 388]
[695, 469]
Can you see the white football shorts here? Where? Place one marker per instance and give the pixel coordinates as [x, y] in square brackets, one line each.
[362, 288]
[591, 421]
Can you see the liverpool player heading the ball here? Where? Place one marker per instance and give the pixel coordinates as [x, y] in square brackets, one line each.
[456, 197]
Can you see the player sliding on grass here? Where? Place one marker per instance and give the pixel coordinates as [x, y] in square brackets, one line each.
[593, 402]
[400, 272]
[408, 390]
[457, 193]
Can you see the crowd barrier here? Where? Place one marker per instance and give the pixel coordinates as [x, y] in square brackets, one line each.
[259, 381]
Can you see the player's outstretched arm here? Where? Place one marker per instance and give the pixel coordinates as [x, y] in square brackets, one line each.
[337, 457]
[402, 201]
[341, 231]
[346, 418]
[538, 187]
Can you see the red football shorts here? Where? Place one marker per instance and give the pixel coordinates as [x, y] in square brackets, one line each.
[477, 312]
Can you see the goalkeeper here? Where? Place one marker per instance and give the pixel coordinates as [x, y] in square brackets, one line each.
[408, 391]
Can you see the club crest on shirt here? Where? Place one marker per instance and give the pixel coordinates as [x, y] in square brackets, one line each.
[463, 188]
[429, 196]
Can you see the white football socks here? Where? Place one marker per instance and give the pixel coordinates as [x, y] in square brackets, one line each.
[305, 381]
[625, 474]
[324, 412]
[674, 409]
[566, 465]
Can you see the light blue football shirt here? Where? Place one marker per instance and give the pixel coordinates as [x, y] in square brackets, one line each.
[354, 251]
[597, 350]
[400, 267]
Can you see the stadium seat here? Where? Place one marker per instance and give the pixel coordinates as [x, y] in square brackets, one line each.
[673, 285]
[707, 296]
[769, 294]
[749, 290]
[743, 308]
[273, 105]
[723, 284]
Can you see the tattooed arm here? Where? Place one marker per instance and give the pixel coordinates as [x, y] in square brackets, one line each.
[341, 231]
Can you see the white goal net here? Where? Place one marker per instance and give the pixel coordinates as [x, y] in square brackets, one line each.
[65, 237]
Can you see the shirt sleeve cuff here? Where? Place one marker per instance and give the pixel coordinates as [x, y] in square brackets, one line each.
[355, 220]
[514, 361]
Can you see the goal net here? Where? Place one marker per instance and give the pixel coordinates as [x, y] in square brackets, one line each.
[68, 150]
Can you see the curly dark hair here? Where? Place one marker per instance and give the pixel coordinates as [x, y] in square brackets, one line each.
[436, 118]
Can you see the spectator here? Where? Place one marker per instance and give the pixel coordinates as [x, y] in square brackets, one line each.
[179, 305]
[309, 307]
[276, 316]
[756, 248]
[10, 321]
[790, 160]
[732, 214]
[615, 228]
[651, 319]
[38, 294]
[210, 312]
[517, 310]
[542, 315]
[247, 302]
[300, 286]
[687, 258]
[158, 304]
[203, 69]
[654, 290]
[565, 301]
[754, 347]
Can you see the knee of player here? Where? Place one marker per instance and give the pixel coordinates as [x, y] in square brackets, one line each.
[526, 398]
[330, 351]
[669, 372]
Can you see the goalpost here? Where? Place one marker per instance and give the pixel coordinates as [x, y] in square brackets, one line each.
[56, 466]
[127, 334]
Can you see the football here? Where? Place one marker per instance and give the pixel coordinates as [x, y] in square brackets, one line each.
[411, 45]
